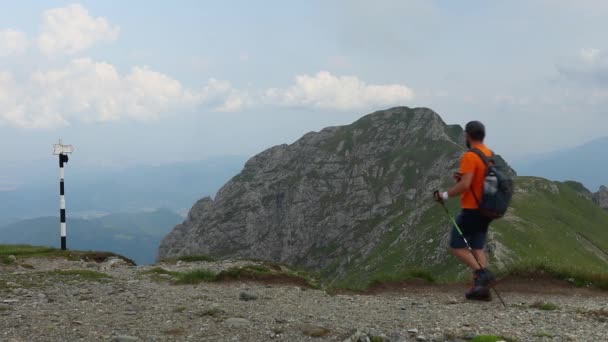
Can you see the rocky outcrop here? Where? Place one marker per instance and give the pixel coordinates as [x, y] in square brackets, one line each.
[601, 197]
[328, 198]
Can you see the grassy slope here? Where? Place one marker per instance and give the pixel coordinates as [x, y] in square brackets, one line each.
[547, 227]
[543, 228]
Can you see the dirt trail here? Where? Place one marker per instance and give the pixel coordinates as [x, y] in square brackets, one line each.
[40, 304]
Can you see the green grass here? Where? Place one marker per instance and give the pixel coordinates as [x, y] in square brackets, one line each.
[27, 251]
[183, 278]
[544, 334]
[87, 275]
[545, 306]
[179, 309]
[490, 338]
[195, 277]
[212, 312]
[249, 271]
[7, 261]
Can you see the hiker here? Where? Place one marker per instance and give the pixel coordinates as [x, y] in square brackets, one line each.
[473, 224]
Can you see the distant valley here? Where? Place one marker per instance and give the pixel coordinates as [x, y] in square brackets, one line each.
[586, 163]
[109, 209]
[134, 235]
[91, 192]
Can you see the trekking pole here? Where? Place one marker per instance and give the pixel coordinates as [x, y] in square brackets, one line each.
[470, 249]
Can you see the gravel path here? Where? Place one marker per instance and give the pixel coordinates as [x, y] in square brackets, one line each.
[40, 304]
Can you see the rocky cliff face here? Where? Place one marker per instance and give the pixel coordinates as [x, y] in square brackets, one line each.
[601, 197]
[329, 194]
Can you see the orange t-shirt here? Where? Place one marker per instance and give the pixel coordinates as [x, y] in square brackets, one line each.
[471, 162]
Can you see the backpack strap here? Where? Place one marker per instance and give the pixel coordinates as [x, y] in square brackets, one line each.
[483, 157]
[487, 161]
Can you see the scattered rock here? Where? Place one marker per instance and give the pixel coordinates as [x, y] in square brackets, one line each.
[144, 310]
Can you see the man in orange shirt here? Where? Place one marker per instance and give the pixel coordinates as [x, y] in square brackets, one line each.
[473, 224]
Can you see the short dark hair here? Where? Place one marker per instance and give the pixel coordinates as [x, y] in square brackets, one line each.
[476, 130]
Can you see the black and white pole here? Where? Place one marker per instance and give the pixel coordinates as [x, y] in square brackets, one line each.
[62, 151]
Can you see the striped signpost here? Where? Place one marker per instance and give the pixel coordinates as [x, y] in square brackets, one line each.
[62, 151]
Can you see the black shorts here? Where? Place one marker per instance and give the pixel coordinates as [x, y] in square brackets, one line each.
[474, 227]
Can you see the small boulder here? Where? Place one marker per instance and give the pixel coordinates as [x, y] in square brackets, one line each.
[313, 330]
[113, 262]
[237, 322]
[247, 296]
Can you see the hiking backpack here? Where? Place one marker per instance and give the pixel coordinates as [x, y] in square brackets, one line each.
[497, 189]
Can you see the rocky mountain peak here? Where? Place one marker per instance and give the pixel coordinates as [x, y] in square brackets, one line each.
[327, 195]
[601, 197]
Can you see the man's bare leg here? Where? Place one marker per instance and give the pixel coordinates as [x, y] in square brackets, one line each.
[465, 256]
[482, 256]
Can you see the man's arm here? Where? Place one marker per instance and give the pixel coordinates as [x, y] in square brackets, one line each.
[464, 177]
[465, 183]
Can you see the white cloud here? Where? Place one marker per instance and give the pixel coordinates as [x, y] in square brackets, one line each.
[12, 43]
[589, 55]
[326, 91]
[71, 29]
[590, 68]
[223, 97]
[89, 91]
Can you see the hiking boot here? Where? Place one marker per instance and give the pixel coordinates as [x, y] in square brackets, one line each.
[481, 286]
[479, 293]
[486, 278]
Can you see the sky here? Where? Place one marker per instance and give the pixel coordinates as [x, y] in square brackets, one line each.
[150, 82]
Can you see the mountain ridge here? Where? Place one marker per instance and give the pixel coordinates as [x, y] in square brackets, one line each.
[354, 202]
